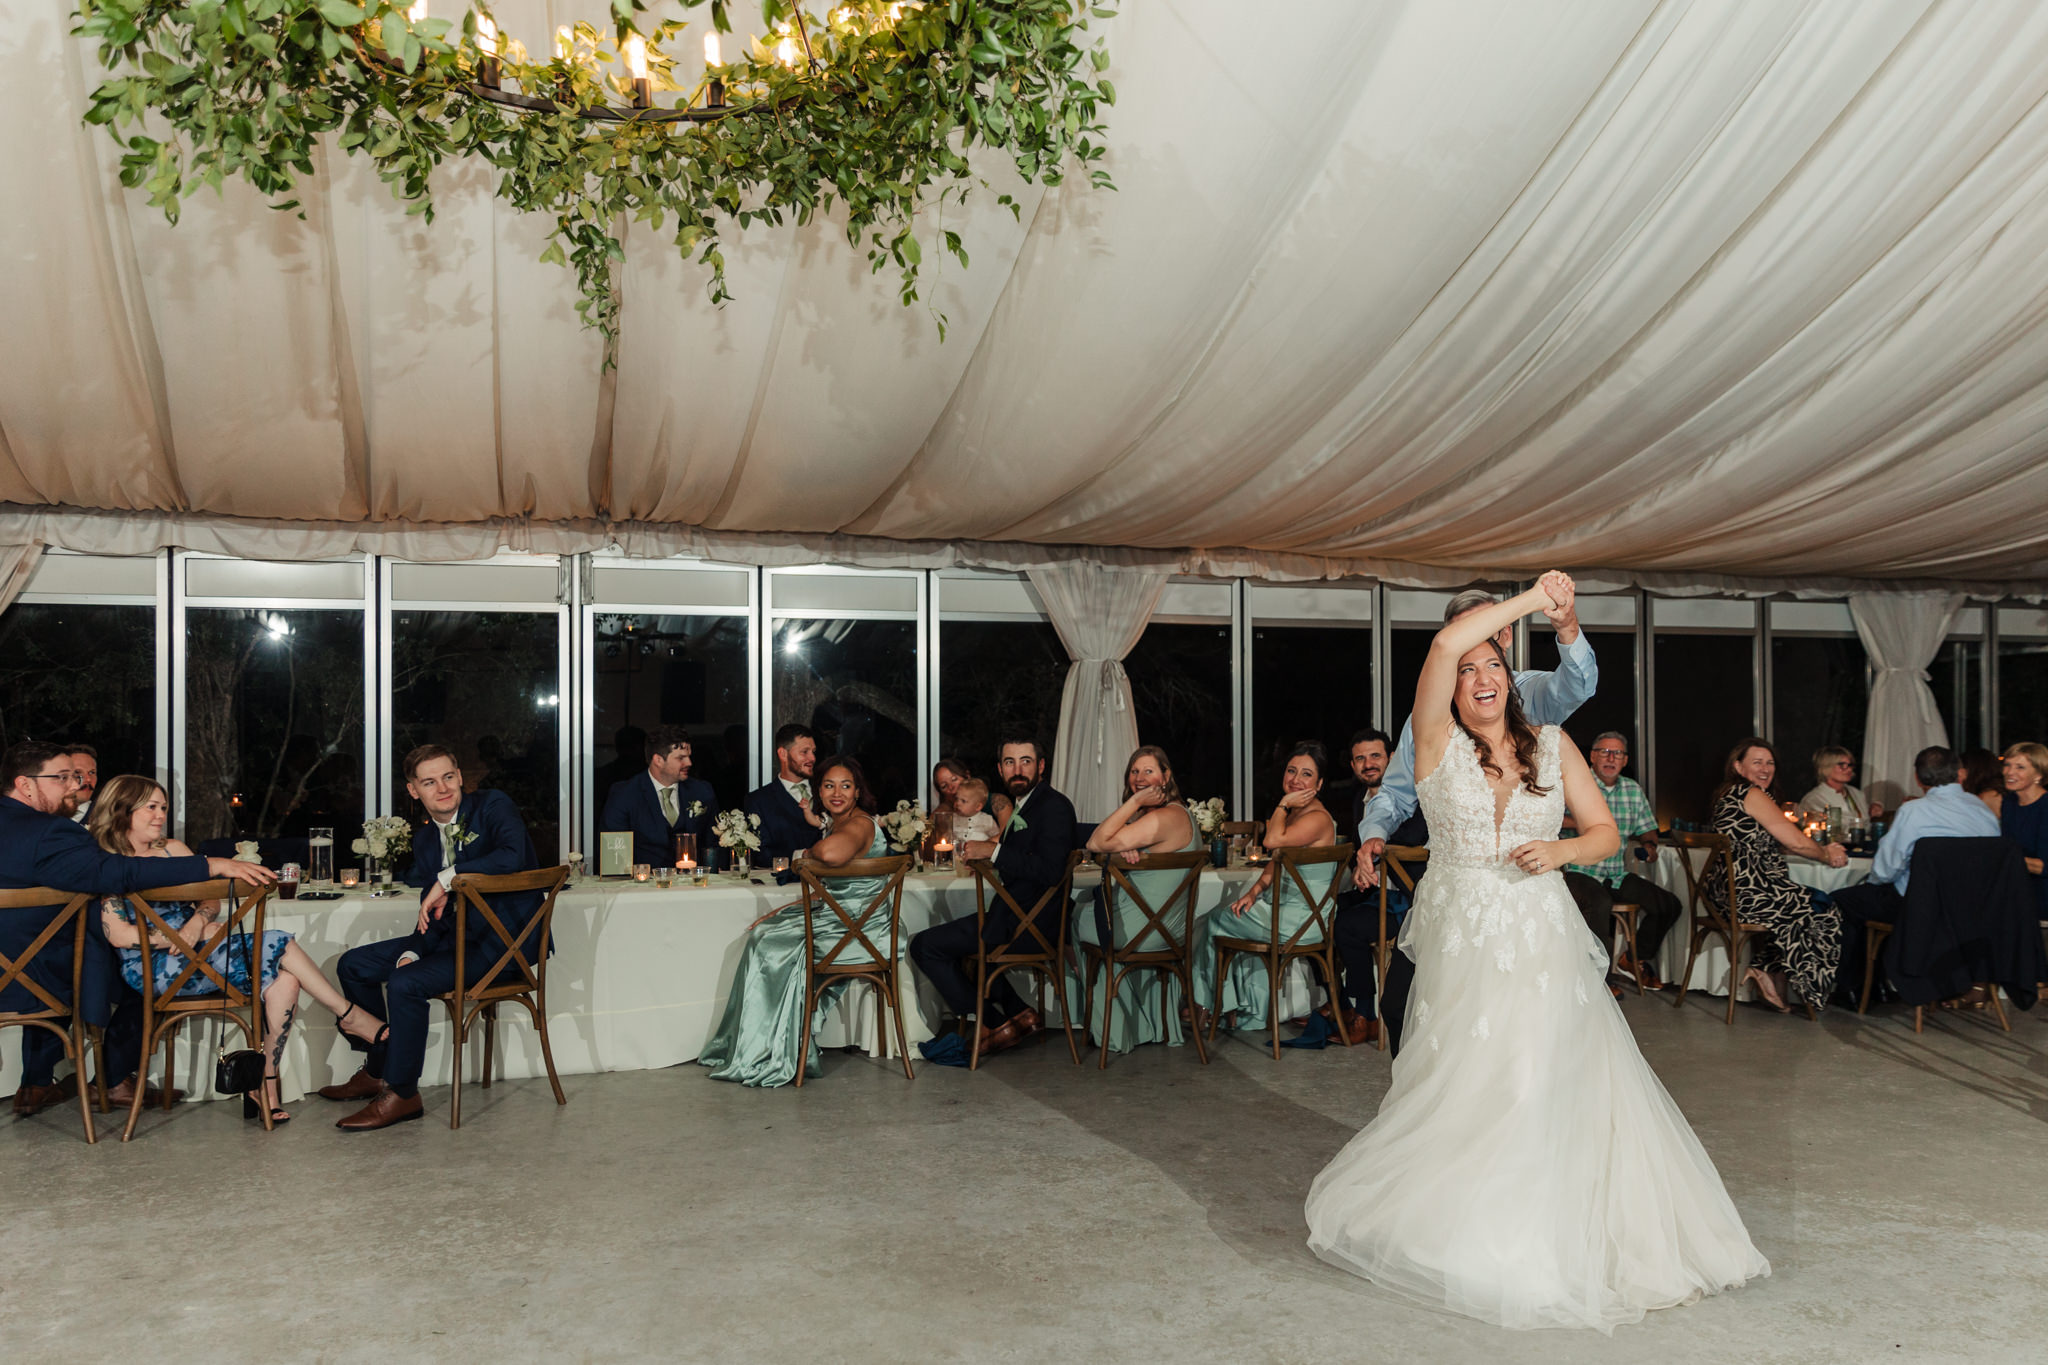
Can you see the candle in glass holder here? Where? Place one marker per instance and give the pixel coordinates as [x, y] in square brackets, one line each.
[642, 871]
[351, 875]
[942, 854]
[782, 864]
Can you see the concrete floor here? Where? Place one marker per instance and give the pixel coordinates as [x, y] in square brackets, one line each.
[1034, 1211]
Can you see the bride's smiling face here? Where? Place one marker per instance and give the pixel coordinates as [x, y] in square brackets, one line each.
[1483, 683]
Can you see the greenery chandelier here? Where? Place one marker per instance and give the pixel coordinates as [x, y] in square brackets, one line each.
[872, 105]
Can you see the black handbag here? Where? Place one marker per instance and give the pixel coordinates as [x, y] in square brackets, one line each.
[238, 1071]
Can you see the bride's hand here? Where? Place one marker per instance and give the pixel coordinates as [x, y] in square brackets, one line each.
[1538, 856]
[1558, 587]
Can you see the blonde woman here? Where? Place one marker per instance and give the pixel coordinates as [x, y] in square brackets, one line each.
[2023, 816]
[129, 818]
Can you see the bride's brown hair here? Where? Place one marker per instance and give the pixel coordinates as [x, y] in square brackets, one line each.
[1521, 734]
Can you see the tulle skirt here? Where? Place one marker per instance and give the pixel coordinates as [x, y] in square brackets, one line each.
[1526, 1168]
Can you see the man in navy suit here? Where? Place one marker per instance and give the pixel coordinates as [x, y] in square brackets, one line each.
[787, 821]
[664, 801]
[40, 845]
[479, 833]
[1031, 857]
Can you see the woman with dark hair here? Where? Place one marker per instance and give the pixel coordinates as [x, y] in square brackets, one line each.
[1804, 946]
[756, 1040]
[1526, 1167]
[1300, 820]
[1983, 777]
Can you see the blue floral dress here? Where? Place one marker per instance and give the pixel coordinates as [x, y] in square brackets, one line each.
[230, 956]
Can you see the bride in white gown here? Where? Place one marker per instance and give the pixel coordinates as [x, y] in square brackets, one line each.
[1526, 1168]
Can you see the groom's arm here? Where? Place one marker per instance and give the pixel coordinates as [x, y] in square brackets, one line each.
[1551, 698]
[1394, 802]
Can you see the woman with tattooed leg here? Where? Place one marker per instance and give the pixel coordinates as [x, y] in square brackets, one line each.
[128, 818]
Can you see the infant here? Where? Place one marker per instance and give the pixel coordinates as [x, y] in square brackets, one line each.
[971, 823]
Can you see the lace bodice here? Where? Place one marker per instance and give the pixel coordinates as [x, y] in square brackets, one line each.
[1460, 805]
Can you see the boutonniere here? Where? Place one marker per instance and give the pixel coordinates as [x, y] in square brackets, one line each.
[460, 835]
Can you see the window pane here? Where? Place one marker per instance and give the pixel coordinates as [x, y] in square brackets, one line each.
[670, 670]
[997, 676]
[1957, 677]
[1706, 691]
[486, 684]
[1180, 685]
[2022, 692]
[81, 673]
[1613, 705]
[1409, 647]
[1819, 695]
[273, 722]
[1308, 683]
[855, 683]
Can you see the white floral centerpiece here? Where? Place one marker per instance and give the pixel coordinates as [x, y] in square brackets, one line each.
[906, 826]
[1209, 816]
[384, 838]
[249, 851]
[736, 830]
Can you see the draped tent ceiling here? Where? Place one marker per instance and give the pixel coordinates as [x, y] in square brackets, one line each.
[1713, 293]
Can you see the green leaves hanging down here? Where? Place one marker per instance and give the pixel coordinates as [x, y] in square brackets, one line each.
[880, 117]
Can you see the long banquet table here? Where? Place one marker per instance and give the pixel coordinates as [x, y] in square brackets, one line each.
[638, 980]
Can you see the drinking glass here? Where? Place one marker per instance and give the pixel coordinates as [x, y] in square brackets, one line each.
[351, 875]
[288, 882]
[642, 871]
[664, 877]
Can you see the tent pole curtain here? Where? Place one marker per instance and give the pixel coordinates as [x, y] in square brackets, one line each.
[1901, 633]
[1099, 614]
[17, 566]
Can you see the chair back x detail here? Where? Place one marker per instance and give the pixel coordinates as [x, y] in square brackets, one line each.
[49, 1013]
[1034, 947]
[1171, 961]
[519, 973]
[1312, 941]
[1705, 919]
[840, 962]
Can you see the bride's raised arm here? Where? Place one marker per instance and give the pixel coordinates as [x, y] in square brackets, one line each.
[1438, 685]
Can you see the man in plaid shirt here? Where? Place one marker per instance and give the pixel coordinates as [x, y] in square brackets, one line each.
[1638, 824]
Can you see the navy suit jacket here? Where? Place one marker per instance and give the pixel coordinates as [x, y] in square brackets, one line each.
[783, 827]
[55, 851]
[497, 844]
[1034, 858]
[635, 805]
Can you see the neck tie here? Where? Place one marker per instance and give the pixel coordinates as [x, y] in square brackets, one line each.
[803, 793]
[668, 804]
[448, 844]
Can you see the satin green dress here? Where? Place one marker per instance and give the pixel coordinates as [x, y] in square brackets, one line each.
[1247, 990]
[1138, 1017]
[756, 1040]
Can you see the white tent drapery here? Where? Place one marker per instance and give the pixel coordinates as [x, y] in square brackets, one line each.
[1099, 614]
[1900, 632]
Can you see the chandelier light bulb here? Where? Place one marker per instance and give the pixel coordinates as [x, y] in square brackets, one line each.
[563, 41]
[418, 11]
[486, 33]
[711, 57]
[635, 53]
[785, 52]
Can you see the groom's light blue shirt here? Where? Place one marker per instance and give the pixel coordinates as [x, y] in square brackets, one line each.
[1547, 699]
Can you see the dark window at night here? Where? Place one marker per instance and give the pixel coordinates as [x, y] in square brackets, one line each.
[670, 670]
[855, 683]
[84, 674]
[1706, 693]
[1957, 679]
[1819, 695]
[486, 684]
[1409, 646]
[996, 677]
[1613, 704]
[273, 722]
[2022, 692]
[1180, 684]
[1308, 682]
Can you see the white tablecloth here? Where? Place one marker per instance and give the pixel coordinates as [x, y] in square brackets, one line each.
[1710, 973]
[638, 980]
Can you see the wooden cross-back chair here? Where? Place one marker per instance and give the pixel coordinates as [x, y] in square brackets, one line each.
[1704, 919]
[1170, 963]
[850, 935]
[1234, 827]
[51, 1014]
[1402, 862]
[1034, 948]
[1312, 942]
[165, 1012]
[520, 973]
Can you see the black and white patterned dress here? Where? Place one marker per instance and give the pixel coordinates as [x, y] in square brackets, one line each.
[1805, 941]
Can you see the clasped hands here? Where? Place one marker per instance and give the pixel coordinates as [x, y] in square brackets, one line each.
[431, 905]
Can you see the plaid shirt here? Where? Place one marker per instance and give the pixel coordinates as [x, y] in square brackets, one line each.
[1632, 816]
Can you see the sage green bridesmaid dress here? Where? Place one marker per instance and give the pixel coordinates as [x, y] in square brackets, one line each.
[1138, 1017]
[1246, 988]
[756, 1040]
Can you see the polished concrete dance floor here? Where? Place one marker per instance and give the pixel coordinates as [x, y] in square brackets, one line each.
[1035, 1211]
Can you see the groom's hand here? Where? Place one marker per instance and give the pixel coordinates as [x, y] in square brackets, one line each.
[1366, 875]
[430, 905]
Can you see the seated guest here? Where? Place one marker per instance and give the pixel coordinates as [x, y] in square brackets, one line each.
[664, 801]
[1152, 819]
[1945, 812]
[1356, 925]
[399, 978]
[40, 845]
[1982, 774]
[1659, 909]
[129, 819]
[2022, 816]
[85, 762]
[789, 818]
[757, 1038]
[947, 775]
[971, 824]
[1030, 860]
[1835, 768]
[1804, 946]
[1300, 820]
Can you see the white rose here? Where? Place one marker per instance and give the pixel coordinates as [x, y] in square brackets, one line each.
[360, 846]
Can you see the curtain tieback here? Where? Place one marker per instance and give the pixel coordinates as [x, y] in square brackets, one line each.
[1109, 696]
[1922, 674]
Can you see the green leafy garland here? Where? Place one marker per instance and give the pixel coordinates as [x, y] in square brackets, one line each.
[878, 113]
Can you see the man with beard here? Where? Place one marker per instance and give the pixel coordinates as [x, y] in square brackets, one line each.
[85, 766]
[1355, 925]
[1030, 858]
[787, 821]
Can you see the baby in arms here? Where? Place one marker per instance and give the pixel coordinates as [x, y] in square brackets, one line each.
[971, 823]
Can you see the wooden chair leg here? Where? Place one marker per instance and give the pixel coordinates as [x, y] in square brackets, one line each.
[1059, 990]
[895, 1002]
[99, 1067]
[76, 1045]
[1734, 969]
[1998, 1006]
[980, 1007]
[1216, 1014]
[461, 1037]
[803, 1047]
[1179, 969]
[1109, 1013]
[1628, 935]
[1328, 961]
[150, 1038]
[539, 1010]
[1273, 978]
[1919, 1017]
[1692, 955]
[1871, 944]
[170, 1068]
[490, 1023]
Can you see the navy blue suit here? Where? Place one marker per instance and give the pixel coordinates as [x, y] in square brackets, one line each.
[783, 827]
[495, 843]
[635, 805]
[55, 851]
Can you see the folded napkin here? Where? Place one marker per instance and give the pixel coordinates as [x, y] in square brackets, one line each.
[945, 1050]
[1316, 1036]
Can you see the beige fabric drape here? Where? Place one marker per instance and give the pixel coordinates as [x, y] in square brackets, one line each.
[1901, 633]
[1099, 614]
[17, 566]
[1745, 291]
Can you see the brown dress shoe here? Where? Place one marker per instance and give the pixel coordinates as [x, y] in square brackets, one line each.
[1012, 1031]
[361, 1086]
[382, 1112]
[123, 1095]
[33, 1099]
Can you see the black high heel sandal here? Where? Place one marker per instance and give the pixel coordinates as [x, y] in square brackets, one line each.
[252, 1108]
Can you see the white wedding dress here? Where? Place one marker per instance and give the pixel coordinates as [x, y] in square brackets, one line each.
[1526, 1168]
